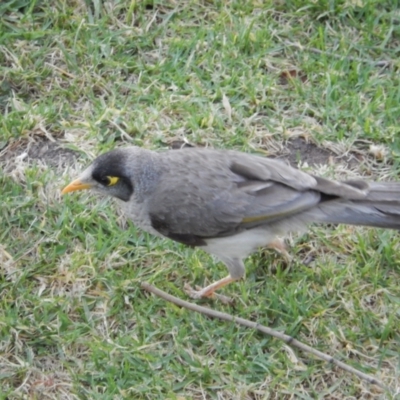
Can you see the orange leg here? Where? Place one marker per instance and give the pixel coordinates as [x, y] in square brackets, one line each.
[209, 290]
[279, 246]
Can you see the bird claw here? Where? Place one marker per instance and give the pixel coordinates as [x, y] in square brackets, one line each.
[201, 294]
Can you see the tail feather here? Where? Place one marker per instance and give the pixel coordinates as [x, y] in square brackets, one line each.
[384, 192]
[379, 208]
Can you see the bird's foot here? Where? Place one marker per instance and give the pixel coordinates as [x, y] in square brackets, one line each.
[202, 293]
[279, 245]
[209, 291]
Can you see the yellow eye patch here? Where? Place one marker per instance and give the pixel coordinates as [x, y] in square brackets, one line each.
[112, 180]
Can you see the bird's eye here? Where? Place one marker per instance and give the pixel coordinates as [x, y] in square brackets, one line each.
[107, 180]
[111, 180]
[104, 180]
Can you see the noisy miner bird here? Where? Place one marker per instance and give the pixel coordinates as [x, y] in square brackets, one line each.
[230, 203]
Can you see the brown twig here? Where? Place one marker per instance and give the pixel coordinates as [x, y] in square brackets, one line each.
[264, 329]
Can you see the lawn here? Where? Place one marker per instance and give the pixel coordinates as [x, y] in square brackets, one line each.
[313, 82]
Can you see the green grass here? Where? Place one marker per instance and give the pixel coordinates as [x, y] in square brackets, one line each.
[73, 321]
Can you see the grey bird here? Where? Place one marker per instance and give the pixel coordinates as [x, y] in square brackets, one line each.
[230, 203]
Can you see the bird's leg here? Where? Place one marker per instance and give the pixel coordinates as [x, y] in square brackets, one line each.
[279, 246]
[209, 290]
[236, 272]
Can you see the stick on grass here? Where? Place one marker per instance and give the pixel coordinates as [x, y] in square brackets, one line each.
[264, 329]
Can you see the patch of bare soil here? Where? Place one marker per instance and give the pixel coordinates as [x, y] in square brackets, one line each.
[56, 155]
[41, 149]
[299, 149]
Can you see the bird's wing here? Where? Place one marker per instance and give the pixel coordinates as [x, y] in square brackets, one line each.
[206, 194]
[261, 168]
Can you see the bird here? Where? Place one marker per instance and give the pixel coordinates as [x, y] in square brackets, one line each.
[231, 203]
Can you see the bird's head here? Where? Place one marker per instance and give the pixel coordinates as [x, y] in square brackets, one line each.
[111, 174]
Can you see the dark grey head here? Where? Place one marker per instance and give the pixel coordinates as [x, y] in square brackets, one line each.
[112, 173]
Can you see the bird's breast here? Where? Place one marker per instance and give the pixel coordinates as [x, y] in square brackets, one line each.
[138, 214]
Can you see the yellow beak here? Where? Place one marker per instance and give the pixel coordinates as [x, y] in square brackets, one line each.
[76, 185]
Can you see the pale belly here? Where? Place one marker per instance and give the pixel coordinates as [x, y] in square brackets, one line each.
[240, 245]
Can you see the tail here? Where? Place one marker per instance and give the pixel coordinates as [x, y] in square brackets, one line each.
[380, 208]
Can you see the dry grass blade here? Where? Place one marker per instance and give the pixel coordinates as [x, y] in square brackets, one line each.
[376, 63]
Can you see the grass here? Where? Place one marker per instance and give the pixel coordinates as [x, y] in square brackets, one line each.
[92, 75]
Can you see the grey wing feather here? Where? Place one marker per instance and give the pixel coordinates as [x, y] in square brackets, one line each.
[208, 193]
[259, 168]
[226, 192]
